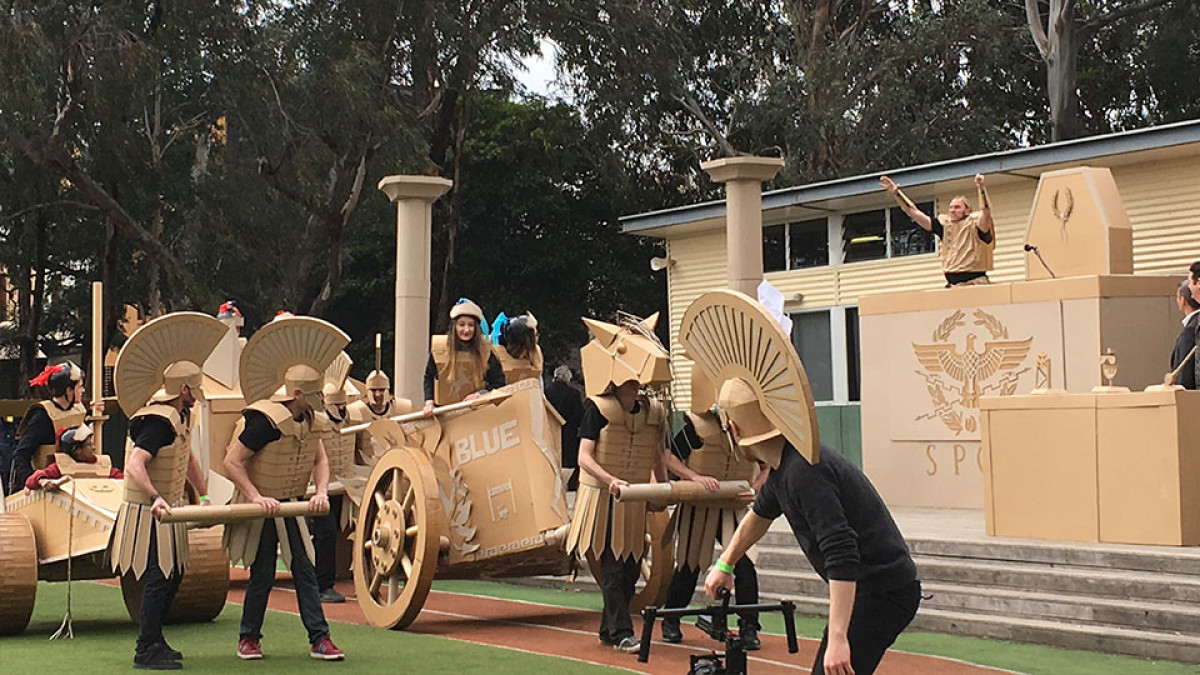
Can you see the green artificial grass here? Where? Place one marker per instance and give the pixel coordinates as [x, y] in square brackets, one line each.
[104, 641]
[1023, 658]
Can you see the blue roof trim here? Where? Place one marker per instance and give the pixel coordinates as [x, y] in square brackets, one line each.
[1151, 138]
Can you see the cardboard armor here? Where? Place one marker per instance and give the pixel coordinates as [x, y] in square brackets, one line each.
[626, 448]
[466, 378]
[280, 470]
[71, 417]
[153, 366]
[698, 525]
[287, 355]
[167, 471]
[961, 248]
[515, 369]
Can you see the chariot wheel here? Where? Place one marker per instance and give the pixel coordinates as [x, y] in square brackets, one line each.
[201, 595]
[657, 565]
[18, 573]
[396, 539]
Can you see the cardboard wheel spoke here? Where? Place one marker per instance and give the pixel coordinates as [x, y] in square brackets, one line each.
[396, 539]
[18, 573]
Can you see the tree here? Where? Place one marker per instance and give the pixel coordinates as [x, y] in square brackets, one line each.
[1059, 35]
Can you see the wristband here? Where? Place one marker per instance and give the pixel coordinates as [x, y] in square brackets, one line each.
[204, 498]
[155, 497]
[723, 566]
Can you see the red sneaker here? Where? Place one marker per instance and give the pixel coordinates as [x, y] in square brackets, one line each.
[249, 649]
[325, 650]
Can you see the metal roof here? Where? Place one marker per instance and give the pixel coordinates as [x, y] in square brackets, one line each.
[1008, 161]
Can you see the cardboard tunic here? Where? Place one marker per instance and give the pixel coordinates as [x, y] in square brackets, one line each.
[698, 526]
[61, 419]
[626, 448]
[516, 369]
[167, 471]
[466, 379]
[280, 470]
[339, 448]
[961, 248]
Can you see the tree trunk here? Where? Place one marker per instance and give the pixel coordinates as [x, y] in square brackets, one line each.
[31, 296]
[1061, 71]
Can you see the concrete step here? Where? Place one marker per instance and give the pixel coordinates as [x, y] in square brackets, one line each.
[1168, 559]
[1151, 644]
[1036, 577]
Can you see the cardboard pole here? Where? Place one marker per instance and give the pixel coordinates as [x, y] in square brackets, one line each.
[98, 364]
[230, 513]
[677, 491]
[495, 398]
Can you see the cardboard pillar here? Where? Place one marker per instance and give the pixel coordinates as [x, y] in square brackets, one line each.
[743, 178]
[413, 197]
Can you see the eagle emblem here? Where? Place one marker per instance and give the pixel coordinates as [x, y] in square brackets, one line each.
[956, 377]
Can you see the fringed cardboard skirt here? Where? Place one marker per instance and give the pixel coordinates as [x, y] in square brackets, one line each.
[241, 539]
[131, 541]
[600, 522]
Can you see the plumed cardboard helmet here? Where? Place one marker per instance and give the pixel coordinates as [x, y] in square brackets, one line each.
[163, 355]
[704, 394]
[465, 307]
[619, 354]
[303, 378]
[58, 378]
[731, 336]
[334, 388]
[291, 353]
[378, 380]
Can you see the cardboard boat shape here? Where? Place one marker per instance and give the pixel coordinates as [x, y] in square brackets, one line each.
[41, 532]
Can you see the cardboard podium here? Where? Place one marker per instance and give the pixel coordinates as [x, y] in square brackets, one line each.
[930, 357]
[1111, 467]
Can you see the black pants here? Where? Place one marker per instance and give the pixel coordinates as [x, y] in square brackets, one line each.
[745, 588]
[877, 621]
[262, 578]
[325, 540]
[157, 597]
[618, 578]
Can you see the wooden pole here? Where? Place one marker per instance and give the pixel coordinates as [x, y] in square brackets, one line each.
[97, 366]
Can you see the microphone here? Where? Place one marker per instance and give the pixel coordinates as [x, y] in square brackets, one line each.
[1030, 247]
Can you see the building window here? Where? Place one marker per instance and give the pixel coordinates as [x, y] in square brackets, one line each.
[793, 246]
[813, 340]
[884, 233]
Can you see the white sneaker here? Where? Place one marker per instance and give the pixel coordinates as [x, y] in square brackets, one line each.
[629, 644]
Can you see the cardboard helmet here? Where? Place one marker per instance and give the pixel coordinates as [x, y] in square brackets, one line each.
[162, 356]
[760, 380]
[334, 388]
[621, 353]
[290, 354]
[58, 378]
[73, 438]
[465, 307]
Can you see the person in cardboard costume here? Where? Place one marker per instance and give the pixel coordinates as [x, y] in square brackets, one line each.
[36, 432]
[75, 456]
[158, 377]
[968, 238]
[515, 344]
[378, 404]
[622, 441]
[838, 518]
[273, 453]
[461, 366]
[339, 449]
[706, 448]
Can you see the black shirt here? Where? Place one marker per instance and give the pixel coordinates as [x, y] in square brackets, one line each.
[151, 433]
[940, 231]
[593, 421]
[37, 431]
[839, 520]
[493, 378]
[259, 431]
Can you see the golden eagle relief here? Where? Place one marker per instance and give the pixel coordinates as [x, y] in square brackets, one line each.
[956, 377]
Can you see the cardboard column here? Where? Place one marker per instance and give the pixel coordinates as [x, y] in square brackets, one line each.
[413, 197]
[743, 178]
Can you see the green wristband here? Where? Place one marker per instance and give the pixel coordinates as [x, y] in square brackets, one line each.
[723, 566]
[204, 498]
